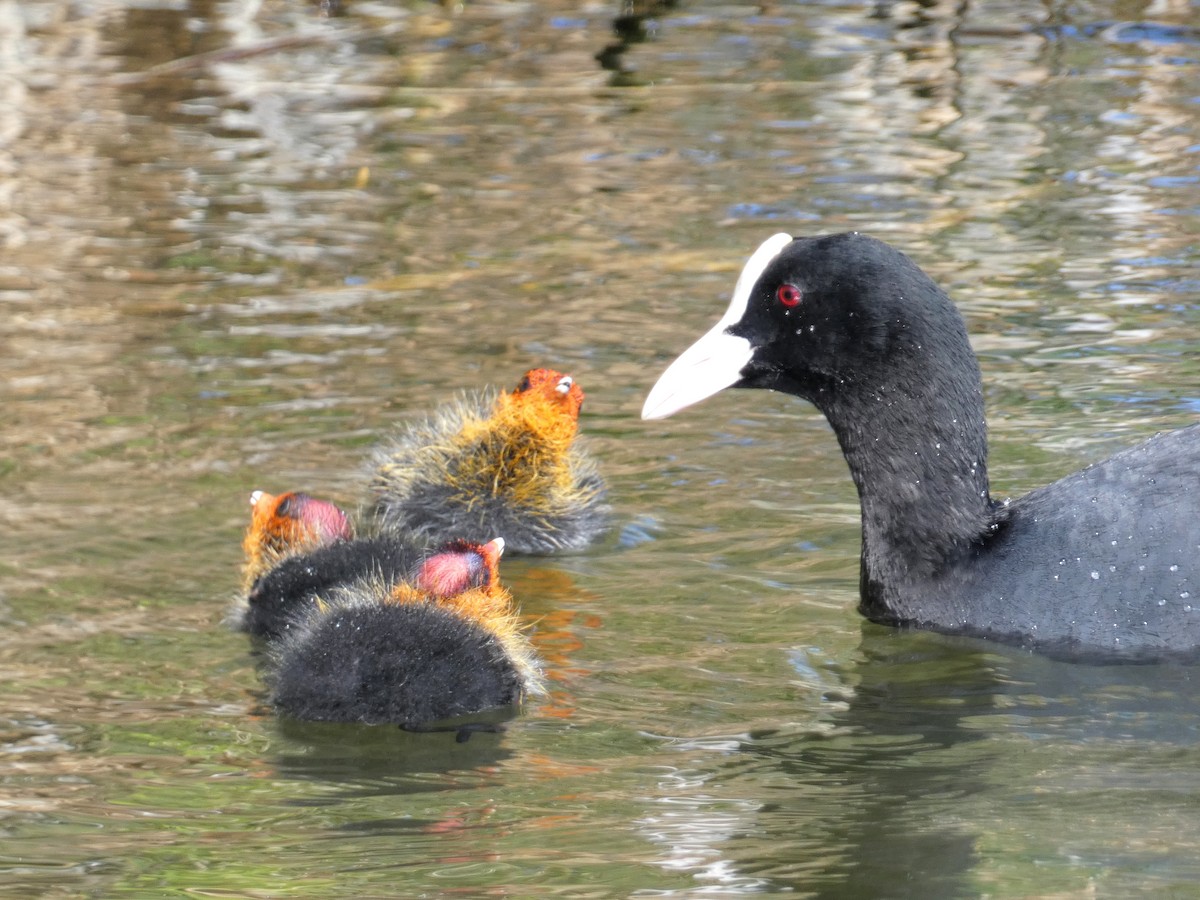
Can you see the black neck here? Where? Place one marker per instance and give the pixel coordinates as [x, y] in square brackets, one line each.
[917, 450]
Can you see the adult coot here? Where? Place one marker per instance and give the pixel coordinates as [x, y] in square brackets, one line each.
[1104, 563]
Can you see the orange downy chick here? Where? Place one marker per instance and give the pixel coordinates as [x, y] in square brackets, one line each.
[509, 466]
[446, 642]
[284, 525]
[473, 591]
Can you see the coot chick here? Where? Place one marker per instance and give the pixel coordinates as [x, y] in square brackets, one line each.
[285, 525]
[1102, 564]
[443, 644]
[488, 465]
[298, 547]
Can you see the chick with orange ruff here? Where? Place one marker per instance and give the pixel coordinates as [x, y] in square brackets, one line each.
[444, 643]
[298, 547]
[287, 525]
[506, 464]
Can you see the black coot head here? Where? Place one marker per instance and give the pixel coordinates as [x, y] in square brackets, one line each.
[816, 317]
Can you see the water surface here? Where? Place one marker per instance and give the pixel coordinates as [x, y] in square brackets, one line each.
[242, 240]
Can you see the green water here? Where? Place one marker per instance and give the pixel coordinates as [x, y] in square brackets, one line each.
[235, 273]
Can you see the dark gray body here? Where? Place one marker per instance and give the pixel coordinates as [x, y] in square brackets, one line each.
[1104, 562]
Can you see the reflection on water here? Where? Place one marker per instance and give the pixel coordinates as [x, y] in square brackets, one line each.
[369, 761]
[240, 240]
[926, 755]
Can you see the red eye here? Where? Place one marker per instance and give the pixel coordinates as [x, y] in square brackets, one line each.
[788, 294]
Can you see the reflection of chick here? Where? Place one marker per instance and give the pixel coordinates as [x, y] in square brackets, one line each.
[286, 525]
[298, 547]
[445, 643]
[506, 466]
